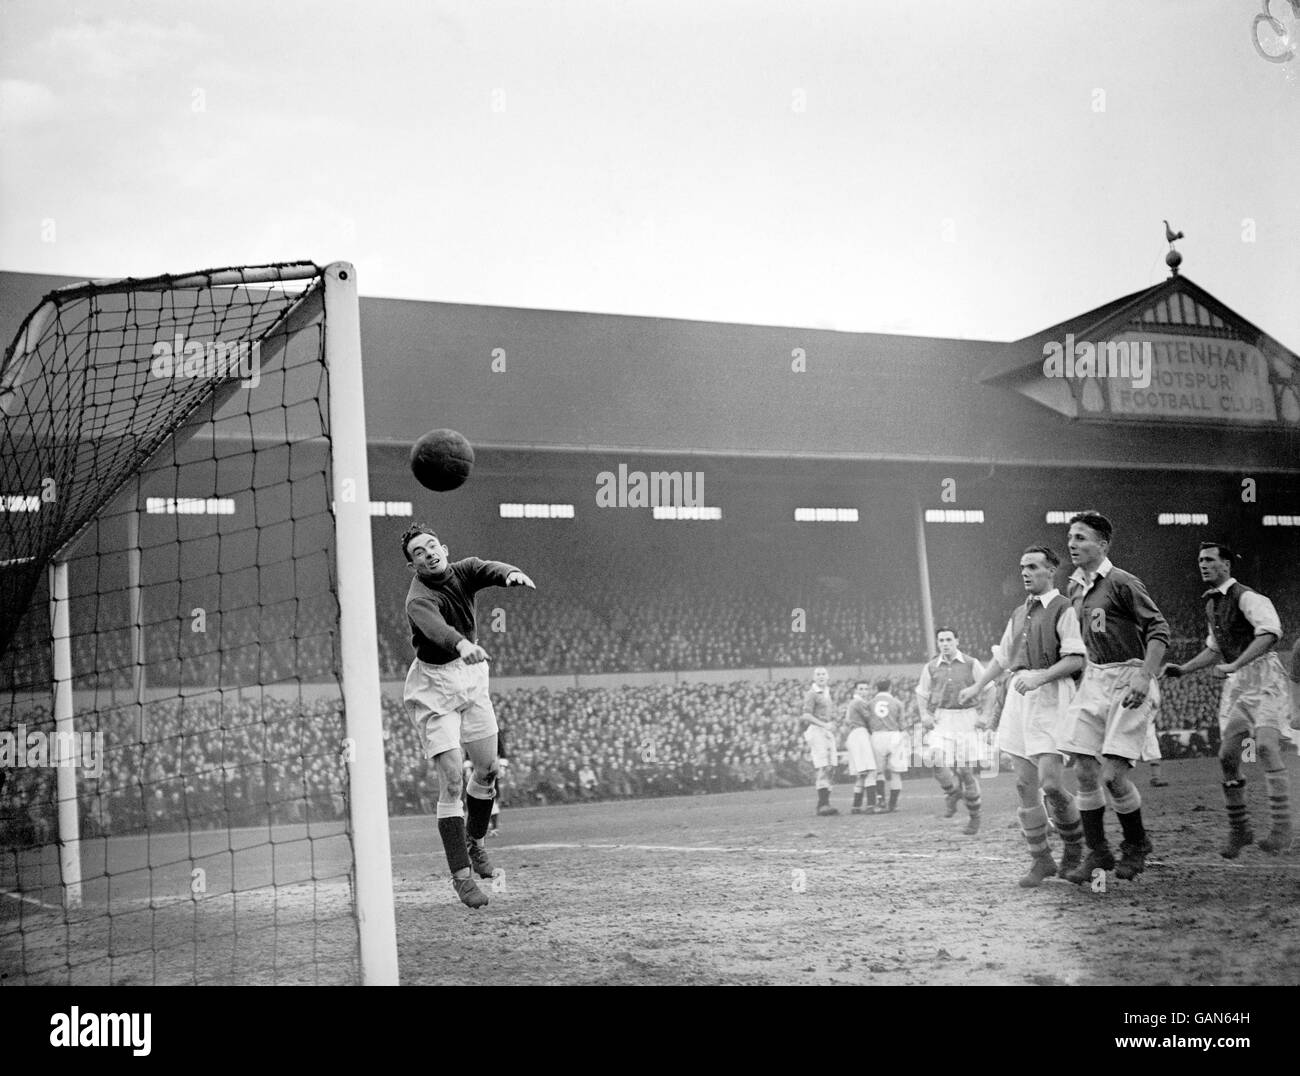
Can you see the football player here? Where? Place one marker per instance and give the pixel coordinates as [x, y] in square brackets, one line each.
[819, 735]
[889, 742]
[1255, 704]
[1109, 718]
[955, 736]
[1042, 649]
[862, 760]
[446, 695]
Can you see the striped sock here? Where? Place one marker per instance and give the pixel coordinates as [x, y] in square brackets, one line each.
[1033, 823]
[1130, 801]
[1065, 813]
[1234, 797]
[1089, 801]
[1279, 800]
[871, 795]
[880, 788]
[970, 790]
[857, 796]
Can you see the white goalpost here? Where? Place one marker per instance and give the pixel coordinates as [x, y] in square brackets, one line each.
[364, 750]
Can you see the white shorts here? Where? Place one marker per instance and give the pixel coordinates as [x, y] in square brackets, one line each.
[821, 742]
[1031, 723]
[449, 704]
[891, 749]
[957, 742]
[1260, 694]
[1096, 723]
[1151, 749]
[861, 757]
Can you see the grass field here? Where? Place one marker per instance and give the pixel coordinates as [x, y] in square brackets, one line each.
[744, 888]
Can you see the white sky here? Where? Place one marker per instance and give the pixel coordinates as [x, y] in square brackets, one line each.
[650, 157]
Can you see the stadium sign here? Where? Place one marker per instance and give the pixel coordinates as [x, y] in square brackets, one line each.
[1171, 354]
[1196, 378]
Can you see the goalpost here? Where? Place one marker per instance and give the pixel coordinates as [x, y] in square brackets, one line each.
[191, 740]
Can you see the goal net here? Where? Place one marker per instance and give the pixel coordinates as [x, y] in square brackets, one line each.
[191, 753]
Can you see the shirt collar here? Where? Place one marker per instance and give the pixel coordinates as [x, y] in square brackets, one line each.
[1104, 568]
[1045, 598]
[959, 656]
[1222, 588]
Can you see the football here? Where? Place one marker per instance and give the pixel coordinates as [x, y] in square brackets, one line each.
[441, 460]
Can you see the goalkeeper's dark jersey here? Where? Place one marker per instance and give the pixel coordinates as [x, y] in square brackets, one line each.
[441, 612]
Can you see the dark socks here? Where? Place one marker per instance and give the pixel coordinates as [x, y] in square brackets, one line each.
[452, 832]
[1094, 831]
[1134, 831]
[479, 813]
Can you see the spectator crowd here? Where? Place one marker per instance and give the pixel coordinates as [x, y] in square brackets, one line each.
[199, 763]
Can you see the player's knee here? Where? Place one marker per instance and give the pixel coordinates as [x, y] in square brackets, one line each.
[1118, 784]
[1057, 796]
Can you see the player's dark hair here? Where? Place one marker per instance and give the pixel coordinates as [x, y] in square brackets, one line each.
[1222, 549]
[860, 683]
[1096, 521]
[940, 631]
[883, 684]
[413, 531]
[1048, 553]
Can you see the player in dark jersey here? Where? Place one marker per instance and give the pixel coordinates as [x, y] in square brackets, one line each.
[447, 698]
[1243, 632]
[885, 719]
[1107, 722]
[862, 760]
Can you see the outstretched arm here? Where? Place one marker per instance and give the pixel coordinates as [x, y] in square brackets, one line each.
[497, 573]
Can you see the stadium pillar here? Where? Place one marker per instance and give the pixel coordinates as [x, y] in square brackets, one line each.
[65, 738]
[358, 635]
[923, 567]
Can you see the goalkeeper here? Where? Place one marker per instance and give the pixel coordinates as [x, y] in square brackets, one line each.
[447, 698]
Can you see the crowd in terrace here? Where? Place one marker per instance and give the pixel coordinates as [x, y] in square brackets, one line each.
[199, 763]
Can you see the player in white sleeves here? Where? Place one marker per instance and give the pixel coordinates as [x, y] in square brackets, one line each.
[1043, 650]
[1244, 629]
[955, 738]
[819, 735]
